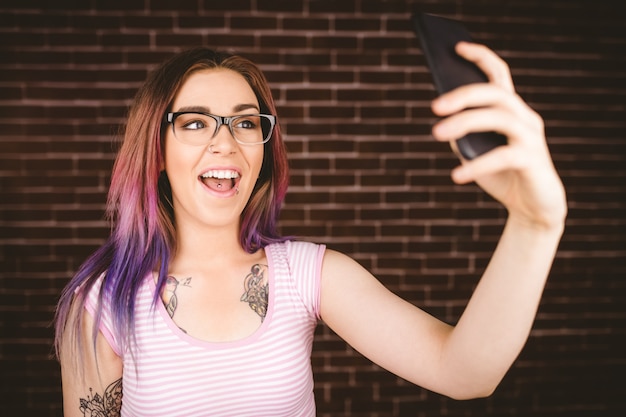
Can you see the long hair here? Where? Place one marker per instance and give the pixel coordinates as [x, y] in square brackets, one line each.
[139, 202]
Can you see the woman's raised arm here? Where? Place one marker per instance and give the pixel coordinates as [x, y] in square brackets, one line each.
[469, 359]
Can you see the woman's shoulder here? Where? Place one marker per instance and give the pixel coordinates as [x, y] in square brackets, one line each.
[294, 245]
[297, 251]
[101, 289]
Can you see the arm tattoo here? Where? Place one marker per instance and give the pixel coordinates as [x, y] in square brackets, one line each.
[169, 293]
[256, 290]
[109, 405]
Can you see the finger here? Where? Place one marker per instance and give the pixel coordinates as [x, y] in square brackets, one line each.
[481, 120]
[477, 95]
[489, 62]
[498, 159]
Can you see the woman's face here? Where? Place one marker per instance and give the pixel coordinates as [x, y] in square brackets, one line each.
[212, 183]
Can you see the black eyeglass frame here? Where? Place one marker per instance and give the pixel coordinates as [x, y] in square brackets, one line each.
[171, 117]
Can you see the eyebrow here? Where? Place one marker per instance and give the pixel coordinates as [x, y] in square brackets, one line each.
[237, 109]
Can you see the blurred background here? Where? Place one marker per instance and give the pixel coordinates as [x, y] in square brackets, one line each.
[353, 95]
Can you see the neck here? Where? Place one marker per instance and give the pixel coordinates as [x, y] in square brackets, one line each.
[206, 245]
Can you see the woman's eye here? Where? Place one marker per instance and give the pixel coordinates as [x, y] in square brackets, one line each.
[246, 124]
[194, 125]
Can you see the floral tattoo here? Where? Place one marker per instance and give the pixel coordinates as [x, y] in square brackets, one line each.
[108, 405]
[256, 290]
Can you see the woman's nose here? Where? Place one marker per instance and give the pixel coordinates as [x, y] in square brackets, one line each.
[223, 141]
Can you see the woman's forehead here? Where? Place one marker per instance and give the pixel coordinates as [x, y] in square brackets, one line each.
[219, 90]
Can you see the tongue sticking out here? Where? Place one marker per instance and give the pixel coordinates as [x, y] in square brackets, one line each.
[219, 184]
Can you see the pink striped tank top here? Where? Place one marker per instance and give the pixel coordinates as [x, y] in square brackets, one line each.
[265, 374]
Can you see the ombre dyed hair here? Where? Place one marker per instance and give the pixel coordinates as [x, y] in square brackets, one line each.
[139, 202]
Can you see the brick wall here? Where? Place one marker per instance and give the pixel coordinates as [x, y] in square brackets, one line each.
[353, 96]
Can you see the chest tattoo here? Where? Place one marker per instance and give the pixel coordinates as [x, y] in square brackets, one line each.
[256, 290]
[170, 300]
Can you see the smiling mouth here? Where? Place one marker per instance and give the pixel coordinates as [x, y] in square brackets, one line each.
[220, 179]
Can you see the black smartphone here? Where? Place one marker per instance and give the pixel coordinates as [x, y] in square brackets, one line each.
[438, 37]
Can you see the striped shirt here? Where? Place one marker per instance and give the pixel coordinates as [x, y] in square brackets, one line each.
[265, 374]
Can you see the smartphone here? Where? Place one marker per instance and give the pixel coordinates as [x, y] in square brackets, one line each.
[438, 37]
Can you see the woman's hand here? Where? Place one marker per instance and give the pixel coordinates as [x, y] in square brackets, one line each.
[521, 174]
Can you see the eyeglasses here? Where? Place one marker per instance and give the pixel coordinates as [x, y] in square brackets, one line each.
[195, 128]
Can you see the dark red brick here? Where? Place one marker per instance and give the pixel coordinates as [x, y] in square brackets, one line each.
[368, 179]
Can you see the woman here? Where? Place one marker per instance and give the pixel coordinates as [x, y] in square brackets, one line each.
[196, 306]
